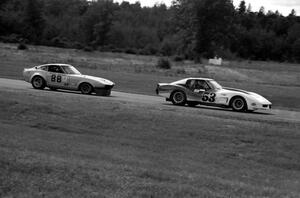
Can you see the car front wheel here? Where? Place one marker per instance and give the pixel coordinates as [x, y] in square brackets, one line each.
[238, 104]
[178, 98]
[38, 82]
[86, 88]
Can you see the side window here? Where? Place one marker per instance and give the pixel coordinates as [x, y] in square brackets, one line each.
[206, 86]
[190, 84]
[45, 68]
[55, 69]
[201, 84]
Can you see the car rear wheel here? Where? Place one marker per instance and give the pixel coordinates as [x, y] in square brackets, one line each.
[238, 104]
[178, 98]
[38, 82]
[86, 88]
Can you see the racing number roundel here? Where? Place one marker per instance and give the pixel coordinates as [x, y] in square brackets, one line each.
[209, 97]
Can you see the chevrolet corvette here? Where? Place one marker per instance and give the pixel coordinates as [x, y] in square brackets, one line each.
[205, 91]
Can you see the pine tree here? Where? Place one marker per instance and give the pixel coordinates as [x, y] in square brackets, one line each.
[293, 13]
[33, 21]
[242, 7]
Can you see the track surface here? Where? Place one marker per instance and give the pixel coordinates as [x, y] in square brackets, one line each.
[275, 115]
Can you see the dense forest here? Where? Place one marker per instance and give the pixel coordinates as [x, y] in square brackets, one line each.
[188, 29]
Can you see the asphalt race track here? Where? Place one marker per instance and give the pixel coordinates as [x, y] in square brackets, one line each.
[273, 115]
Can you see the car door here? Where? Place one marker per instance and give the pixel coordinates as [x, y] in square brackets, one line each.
[56, 77]
[209, 95]
[194, 90]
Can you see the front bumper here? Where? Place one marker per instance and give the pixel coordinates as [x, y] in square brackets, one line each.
[261, 107]
[103, 91]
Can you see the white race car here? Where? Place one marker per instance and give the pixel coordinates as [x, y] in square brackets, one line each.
[63, 76]
[205, 91]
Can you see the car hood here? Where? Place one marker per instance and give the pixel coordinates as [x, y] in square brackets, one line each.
[97, 79]
[247, 94]
[229, 89]
[259, 98]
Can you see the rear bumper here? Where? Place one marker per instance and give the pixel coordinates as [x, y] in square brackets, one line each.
[26, 76]
[103, 91]
[163, 93]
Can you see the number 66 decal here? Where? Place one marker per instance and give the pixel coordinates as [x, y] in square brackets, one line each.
[210, 97]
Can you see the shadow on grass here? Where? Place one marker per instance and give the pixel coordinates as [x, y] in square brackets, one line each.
[212, 108]
[72, 92]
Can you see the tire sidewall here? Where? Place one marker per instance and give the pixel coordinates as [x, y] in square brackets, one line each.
[174, 101]
[43, 84]
[81, 88]
[237, 108]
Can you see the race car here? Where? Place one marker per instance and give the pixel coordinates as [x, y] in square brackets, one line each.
[64, 76]
[206, 91]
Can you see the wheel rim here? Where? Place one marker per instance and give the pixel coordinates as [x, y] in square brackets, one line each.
[85, 88]
[238, 104]
[38, 82]
[178, 97]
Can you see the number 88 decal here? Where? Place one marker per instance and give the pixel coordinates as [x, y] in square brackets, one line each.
[54, 78]
[210, 97]
[58, 79]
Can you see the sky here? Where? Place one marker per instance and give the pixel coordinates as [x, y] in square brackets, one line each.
[283, 6]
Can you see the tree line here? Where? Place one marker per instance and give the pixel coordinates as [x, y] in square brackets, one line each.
[188, 29]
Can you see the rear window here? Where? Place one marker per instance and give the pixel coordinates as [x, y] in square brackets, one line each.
[181, 82]
[45, 68]
[55, 69]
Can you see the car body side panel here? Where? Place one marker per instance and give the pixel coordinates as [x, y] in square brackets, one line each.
[37, 73]
[57, 80]
[166, 90]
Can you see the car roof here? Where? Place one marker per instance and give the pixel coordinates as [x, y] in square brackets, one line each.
[198, 78]
[58, 64]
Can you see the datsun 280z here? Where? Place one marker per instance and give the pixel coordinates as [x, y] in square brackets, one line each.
[64, 76]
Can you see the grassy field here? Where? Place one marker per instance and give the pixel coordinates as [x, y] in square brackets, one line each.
[60, 144]
[279, 82]
[69, 145]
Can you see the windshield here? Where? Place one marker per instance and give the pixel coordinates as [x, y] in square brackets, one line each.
[215, 84]
[70, 69]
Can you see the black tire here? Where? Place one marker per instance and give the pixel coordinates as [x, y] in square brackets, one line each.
[38, 82]
[192, 103]
[86, 88]
[178, 98]
[238, 104]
